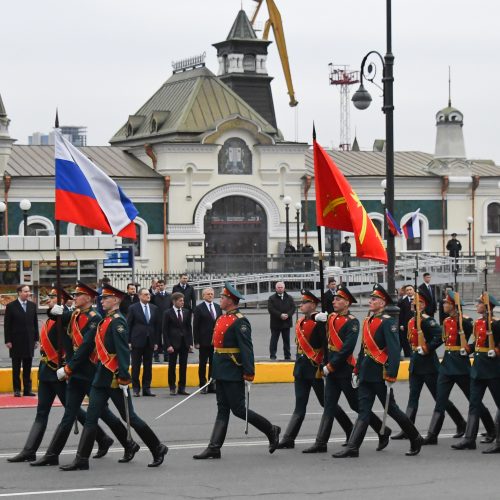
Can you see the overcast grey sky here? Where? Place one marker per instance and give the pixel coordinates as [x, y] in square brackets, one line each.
[100, 60]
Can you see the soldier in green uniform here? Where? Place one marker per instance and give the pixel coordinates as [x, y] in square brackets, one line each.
[424, 365]
[233, 368]
[485, 372]
[48, 385]
[377, 368]
[80, 368]
[111, 380]
[341, 335]
[455, 367]
[310, 341]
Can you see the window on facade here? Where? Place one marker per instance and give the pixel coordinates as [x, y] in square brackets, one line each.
[37, 229]
[83, 231]
[414, 244]
[380, 226]
[494, 218]
[235, 158]
[126, 242]
[249, 62]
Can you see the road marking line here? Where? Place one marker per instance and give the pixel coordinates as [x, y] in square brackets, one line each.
[50, 492]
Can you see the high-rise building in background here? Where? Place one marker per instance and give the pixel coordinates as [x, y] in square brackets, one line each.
[77, 135]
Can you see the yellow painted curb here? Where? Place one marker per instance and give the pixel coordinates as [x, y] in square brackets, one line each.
[265, 373]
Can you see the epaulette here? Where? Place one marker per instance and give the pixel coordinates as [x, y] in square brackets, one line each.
[350, 316]
[239, 315]
[425, 316]
[386, 316]
[92, 314]
[116, 315]
[465, 317]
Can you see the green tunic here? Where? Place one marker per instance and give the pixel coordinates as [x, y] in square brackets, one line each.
[428, 363]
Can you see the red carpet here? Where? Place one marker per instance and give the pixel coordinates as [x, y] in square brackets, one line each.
[9, 401]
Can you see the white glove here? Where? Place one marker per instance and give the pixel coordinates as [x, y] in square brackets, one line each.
[124, 388]
[492, 353]
[321, 317]
[248, 384]
[463, 352]
[389, 384]
[354, 381]
[326, 371]
[57, 310]
[420, 350]
[61, 374]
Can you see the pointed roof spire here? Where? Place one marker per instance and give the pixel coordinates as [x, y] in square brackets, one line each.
[449, 86]
[3, 113]
[242, 28]
[355, 145]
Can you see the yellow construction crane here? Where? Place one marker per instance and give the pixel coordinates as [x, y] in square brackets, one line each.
[279, 36]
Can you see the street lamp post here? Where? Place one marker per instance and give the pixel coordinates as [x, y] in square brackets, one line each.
[208, 210]
[288, 245]
[298, 208]
[3, 207]
[383, 185]
[470, 220]
[25, 205]
[361, 100]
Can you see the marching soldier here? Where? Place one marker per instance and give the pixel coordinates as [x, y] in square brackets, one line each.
[424, 364]
[80, 368]
[455, 367]
[233, 369]
[377, 369]
[111, 381]
[342, 334]
[485, 372]
[310, 340]
[48, 385]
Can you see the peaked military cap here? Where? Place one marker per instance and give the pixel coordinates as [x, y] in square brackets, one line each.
[82, 288]
[65, 296]
[111, 291]
[380, 293]
[230, 291]
[308, 296]
[343, 291]
[451, 297]
[493, 300]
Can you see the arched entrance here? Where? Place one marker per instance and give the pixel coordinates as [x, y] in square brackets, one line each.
[235, 236]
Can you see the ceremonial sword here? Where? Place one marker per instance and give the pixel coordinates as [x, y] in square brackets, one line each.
[127, 413]
[386, 410]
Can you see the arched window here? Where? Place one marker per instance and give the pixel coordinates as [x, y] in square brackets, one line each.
[189, 182]
[378, 222]
[416, 244]
[136, 244]
[235, 157]
[83, 231]
[37, 229]
[140, 244]
[37, 226]
[494, 217]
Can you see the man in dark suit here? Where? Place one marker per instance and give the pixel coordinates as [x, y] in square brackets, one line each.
[281, 308]
[130, 298]
[329, 295]
[144, 326]
[430, 294]
[405, 314]
[21, 338]
[178, 340]
[204, 318]
[187, 290]
[162, 300]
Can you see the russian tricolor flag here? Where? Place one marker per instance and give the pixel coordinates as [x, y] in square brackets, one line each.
[411, 227]
[392, 224]
[86, 196]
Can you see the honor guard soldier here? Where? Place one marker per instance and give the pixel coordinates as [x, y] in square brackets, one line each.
[310, 340]
[80, 368]
[377, 369]
[342, 334]
[233, 369]
[111, 380]
[52, 354]
[455, 367]
[485, 372]
[424, 337]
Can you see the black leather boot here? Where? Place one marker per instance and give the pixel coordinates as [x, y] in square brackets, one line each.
[81, 461]
[496, 445]
[469, 440]
[411, 413]
[324, 431]
[216, 442]
[434, 428]
[456, 416]
[158, 455]
[130, 449]
[344, 422]
[28, 453]
[51, 456]
[489, 426]
[104, 443]
[293, 428]
[274, 438]
[355, 440]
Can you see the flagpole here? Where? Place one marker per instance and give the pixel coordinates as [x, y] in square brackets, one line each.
[59, 327]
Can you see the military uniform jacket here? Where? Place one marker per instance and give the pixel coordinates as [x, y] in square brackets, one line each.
[78, 358]
[453, 362]
[341, 361]
[485, 367]
[428, 363]
[115, 330]
[384, 331]
[306, 368]
[233, 358]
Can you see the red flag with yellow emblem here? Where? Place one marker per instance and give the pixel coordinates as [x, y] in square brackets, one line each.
[338, 207]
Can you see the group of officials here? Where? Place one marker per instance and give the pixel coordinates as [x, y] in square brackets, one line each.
[93, 359]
